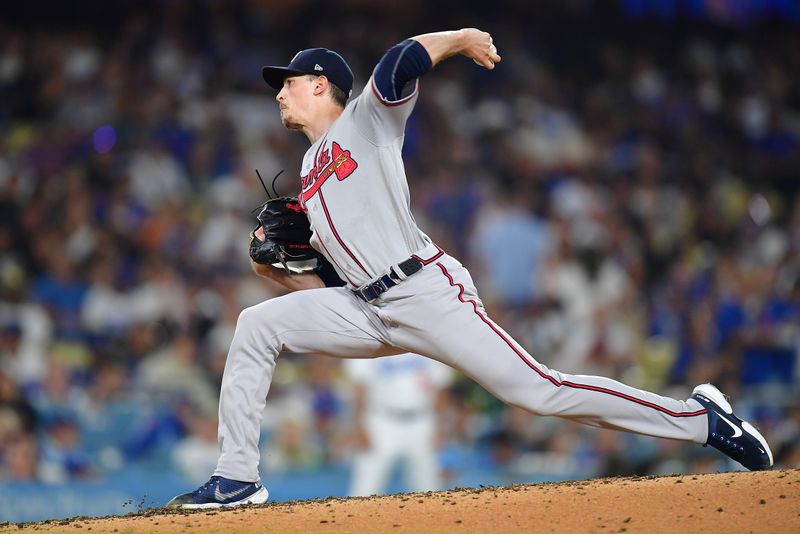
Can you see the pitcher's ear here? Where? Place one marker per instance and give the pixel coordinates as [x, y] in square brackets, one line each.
[321, 85]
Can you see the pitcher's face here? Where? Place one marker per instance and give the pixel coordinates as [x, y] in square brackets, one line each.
[294, 99]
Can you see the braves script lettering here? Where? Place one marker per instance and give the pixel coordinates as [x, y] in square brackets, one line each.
[334, 161]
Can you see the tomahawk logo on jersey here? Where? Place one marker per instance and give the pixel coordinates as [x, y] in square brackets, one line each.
[341, 164]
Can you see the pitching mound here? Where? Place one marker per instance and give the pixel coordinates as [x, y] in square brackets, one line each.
[726, 502]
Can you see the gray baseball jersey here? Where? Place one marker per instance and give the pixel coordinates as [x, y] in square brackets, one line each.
[355, 192]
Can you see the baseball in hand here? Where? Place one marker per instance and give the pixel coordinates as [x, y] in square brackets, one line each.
[492, 52]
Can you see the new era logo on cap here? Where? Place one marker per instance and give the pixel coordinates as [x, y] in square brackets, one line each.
[313, 61]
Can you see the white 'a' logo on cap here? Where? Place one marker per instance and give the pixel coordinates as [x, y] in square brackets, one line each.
[317, 67]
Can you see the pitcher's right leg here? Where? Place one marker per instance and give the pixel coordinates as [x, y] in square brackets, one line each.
[330, 321]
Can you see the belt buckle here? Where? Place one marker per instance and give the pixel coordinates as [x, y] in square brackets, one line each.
[373, 290]
[381, 285]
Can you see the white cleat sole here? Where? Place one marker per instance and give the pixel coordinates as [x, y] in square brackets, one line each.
[259, 497]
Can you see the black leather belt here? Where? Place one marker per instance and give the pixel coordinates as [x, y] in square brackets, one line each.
[375, 289]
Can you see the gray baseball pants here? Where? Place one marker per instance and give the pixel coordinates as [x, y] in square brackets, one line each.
[437, 313]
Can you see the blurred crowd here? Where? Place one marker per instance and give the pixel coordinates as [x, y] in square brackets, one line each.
[624, 191]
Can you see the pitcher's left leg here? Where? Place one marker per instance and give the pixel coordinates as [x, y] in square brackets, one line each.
[454, 328]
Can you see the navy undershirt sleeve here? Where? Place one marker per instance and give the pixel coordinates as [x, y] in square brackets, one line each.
[327, 273]
[402, 63]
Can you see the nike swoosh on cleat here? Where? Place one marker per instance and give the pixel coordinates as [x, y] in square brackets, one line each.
[230, 495]
[736, 430]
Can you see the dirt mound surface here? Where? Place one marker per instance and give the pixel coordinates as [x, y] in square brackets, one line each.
[726, 502]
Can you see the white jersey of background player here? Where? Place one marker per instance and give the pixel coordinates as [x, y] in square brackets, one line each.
[403, 293]
[395, 401]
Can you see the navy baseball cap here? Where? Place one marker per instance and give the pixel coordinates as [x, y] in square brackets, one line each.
[317, 61]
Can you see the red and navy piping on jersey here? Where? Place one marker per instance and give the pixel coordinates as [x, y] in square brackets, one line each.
[337, 264]
[336, 234]
[402, 63]
[553, 380]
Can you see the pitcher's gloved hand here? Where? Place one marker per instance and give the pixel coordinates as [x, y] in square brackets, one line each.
[282, 234]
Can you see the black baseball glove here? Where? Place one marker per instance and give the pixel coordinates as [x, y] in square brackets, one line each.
[286, 234]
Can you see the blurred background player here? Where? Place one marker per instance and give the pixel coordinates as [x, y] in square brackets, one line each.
[395, 408]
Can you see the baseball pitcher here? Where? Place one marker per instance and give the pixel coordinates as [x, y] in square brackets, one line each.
[402, 292]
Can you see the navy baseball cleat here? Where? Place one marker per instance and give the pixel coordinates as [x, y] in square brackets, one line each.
[219, 492]
[726, 432]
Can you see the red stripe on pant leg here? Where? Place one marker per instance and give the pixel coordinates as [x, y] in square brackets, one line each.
[552, 379]
[492, 326]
